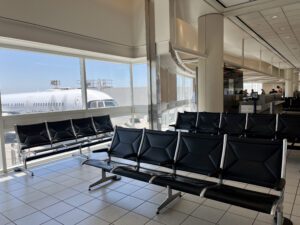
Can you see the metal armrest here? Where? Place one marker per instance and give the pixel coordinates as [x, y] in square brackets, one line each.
[281, 184]
[101, 150]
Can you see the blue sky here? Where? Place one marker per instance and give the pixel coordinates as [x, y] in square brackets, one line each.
[24, 71]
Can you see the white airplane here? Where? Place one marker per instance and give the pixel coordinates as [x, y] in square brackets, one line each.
[57, 99]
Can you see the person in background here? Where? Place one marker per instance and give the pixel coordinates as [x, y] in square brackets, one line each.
[279, 90]
[263, 92]
[245, 92]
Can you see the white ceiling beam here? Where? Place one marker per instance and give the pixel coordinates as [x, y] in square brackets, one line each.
[255, 6]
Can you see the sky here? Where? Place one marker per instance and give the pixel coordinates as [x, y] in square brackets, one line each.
[26, 71]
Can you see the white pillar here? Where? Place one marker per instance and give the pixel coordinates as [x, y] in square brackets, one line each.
[295, 82]
[210, 72]
[288, 76]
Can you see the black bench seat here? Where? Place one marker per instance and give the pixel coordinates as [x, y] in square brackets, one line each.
[218, 158]
[251, 161]
[125, 145]
[36, 141]
[254, 200]
[183, 183]
[141, 174]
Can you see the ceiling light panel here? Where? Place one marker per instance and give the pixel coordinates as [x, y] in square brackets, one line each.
[280, 27]
[229, 3]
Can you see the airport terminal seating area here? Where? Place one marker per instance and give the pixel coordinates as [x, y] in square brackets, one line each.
[291, 104]
[265, 126]
[40, 140]
[217, 158]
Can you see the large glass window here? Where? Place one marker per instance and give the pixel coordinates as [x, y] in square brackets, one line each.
[32, 82]
[177, 94]
[256, 87]
[108, 85]
[140, 95]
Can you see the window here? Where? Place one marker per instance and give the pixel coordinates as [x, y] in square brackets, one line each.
[109, 103]
[109, 83]
[255, 86]
[40, 76]
[140, 95]
[178, 96]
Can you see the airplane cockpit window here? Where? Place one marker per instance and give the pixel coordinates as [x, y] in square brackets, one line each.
[110, 103]
[101, 104]
[92, 105]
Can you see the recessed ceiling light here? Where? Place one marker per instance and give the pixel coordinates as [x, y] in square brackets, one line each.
[274, 17]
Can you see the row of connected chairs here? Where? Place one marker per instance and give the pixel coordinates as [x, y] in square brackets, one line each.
[291, 104]
[268, 126]
[220, 158]
[49, 138]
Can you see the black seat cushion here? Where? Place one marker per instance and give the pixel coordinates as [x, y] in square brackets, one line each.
[261, 126]
[141, 174]
[199, 153]
[253, 161]
[61, 131]
[32, 135]
[288, 127]
[102, 164]
[233, 124]
[126, 142]
[258, 201]
[83, 127]
[181, 183]
[158, 147]
[103, 124]
[208, 123]
[186, 121]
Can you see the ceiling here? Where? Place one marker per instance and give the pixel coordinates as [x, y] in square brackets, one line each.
[275, 22]
[280, 27]
[229, 3]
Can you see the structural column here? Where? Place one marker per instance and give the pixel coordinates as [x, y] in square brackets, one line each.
[295, 82]
[210, 70]
[288, 76]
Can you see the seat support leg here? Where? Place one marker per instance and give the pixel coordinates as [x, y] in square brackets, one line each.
[24, 169]
[81, 154]
[104, 179]
[171, 197]
[279, 217]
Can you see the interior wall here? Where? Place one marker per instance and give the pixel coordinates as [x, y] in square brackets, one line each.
[108, 25]
[269, 87]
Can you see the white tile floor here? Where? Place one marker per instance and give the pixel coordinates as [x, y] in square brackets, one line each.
[58, 194]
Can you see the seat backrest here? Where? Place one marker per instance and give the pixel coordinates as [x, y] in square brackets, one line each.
[261, 126]
[253, 161]
[199, 153]
[126, 141]
[33, 135]
[233, 124]
[61, 131]
[208, 123]
[186, 121]
[158, 147]
[103, 124]
[83, 127]
[288, 127]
